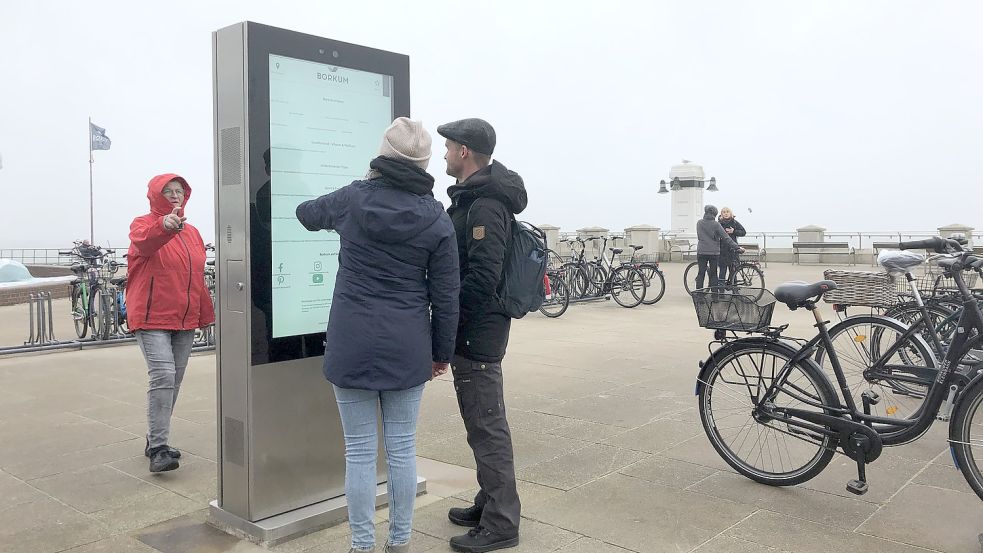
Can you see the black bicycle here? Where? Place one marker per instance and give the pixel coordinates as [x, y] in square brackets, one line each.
[774, 416]
[655, 281]
[746, 273]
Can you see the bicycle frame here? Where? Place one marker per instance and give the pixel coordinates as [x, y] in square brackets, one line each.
[891, 431]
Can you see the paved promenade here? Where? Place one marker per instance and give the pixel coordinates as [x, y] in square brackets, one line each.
[609, 450]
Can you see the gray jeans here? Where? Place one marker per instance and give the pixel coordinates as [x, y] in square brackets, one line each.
[166, 353]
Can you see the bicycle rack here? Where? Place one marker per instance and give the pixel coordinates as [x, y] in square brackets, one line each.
[42, 331]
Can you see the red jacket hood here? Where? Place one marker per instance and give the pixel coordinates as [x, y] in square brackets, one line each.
[158, 203]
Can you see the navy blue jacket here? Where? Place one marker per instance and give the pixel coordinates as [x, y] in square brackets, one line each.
[395, 304]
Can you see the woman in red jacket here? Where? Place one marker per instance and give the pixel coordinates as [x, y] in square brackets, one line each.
[166, 301]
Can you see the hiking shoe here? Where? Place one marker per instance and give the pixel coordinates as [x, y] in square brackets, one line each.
[479, 540]
[170, 450]
[465, 517]
[161, 460]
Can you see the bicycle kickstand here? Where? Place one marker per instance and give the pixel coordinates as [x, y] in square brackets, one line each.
[859, 486]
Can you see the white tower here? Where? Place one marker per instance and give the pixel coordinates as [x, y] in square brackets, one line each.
[687, 185]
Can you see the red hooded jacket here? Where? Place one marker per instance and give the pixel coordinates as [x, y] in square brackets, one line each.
[165, 287]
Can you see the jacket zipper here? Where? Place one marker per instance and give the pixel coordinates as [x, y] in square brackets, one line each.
[150, 300]
[190, 275]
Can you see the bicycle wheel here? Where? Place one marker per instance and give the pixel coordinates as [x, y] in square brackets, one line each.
[940, 320]
[597, 277]
[121, 311]
[689, 277]
[577, 281]
[749, 276]
[79, 315]
[627, 287]
[966, 436]
[558, 299]
[655, 283]
[553, 260]
[902, 377]
[734, 413]
[99, 315]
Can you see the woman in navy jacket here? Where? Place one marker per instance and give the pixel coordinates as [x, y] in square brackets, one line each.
[393, 319]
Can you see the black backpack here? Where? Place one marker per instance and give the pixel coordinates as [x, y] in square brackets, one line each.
[522, 288]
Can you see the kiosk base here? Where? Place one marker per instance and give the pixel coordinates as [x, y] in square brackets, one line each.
[293, 524]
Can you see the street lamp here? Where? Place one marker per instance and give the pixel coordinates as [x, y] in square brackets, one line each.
[675, 185]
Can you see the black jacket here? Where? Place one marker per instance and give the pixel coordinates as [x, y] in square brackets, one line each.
[738, 233]
[395, 304]
[482, 209]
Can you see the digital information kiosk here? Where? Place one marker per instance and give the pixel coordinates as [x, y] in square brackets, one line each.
[296, 117]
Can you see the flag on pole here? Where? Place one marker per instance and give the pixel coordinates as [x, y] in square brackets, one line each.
[97, 138]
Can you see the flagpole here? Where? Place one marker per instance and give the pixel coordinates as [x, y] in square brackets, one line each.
[92, 224]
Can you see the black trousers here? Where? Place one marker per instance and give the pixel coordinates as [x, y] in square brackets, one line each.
[727, 265]
[706, 263]
[481, 400]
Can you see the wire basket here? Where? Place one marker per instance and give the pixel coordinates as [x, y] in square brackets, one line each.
[936, 284]
[861, 288]
[734, 308]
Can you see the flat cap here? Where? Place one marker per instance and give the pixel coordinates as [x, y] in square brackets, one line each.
[476, 134]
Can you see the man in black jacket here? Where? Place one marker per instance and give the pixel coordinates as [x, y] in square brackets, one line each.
[483, 203]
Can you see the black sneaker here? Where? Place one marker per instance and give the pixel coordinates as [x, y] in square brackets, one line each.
[161, 460]
[465, 517]
[479, 540]
[170, 450]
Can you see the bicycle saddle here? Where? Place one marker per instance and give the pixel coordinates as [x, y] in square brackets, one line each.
[898, 262]
[210, 263]
[616, 251]
[117, 280]
[795, 294]
[634, 247]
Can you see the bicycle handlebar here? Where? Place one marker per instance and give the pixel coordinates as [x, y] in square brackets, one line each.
[935, 243]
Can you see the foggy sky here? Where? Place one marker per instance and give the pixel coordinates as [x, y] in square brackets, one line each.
[855, 115]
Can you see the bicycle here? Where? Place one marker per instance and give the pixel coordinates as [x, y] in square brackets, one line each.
[879, 351]
[557, 293]
[602, 279]
[781, 398]
[746, 273]
[91, 301]
[206, 336]
[655, 281]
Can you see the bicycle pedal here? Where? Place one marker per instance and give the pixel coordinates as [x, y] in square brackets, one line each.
[857, 487]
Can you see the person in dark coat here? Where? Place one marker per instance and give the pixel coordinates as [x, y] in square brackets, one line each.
[393, 319]
[734, 229]
[483, 204]
[711, 239]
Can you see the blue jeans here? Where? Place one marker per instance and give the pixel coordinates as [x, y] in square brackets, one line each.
[400, 409]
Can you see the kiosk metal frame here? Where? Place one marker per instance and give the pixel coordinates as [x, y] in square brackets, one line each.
[281, 463]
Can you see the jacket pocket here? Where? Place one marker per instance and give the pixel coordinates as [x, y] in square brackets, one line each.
[150, 300]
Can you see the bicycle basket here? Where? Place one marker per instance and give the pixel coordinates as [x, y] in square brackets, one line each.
[734, 308]
[933, 284]
[861, 288]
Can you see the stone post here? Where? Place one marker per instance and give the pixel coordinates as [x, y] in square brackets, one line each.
[811, 233]
[646, 236]
[956, 229]
[552, 236]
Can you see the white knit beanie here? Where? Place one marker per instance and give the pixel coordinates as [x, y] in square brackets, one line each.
[407, 140]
